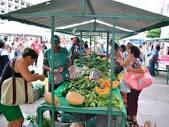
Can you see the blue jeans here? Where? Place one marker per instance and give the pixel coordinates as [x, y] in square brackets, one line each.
[151, 68]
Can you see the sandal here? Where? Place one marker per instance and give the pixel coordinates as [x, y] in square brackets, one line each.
[134, 124]
[129, 121]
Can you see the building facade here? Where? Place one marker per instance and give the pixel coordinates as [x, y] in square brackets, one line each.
[12, 5]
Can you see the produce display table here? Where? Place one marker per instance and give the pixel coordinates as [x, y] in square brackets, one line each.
[65, 107]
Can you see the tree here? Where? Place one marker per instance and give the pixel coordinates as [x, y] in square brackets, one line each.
[154, 33]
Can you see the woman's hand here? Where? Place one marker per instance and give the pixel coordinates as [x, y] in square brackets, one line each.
[42, 77]
[130, 69]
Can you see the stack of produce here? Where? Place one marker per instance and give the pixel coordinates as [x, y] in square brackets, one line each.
[94, 61]
[89, 93]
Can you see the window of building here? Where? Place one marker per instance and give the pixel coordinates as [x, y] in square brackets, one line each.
[16, 7]
[2, 3]
[2, 11]
[22, 3]
[16, 1]
[9, 6]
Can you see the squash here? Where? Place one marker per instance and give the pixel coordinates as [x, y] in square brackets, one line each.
[102, 91]
[115, 83]
[74, 98]
[48, 98]
[106, 83]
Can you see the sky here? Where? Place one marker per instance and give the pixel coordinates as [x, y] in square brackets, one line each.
[150, 5]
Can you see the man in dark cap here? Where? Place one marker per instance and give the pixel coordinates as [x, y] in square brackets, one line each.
[4, 55]
[60, 64]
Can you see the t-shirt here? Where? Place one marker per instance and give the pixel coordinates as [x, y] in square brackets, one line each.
[59, 60]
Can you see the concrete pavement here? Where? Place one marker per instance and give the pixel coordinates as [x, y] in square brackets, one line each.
[154, 102]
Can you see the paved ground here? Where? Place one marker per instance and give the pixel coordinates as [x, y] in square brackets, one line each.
[153, 104]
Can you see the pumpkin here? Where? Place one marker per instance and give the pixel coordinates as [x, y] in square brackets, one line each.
[48, 98]
[106, 83]
[115, 84]
[102, 91]
[74, 98]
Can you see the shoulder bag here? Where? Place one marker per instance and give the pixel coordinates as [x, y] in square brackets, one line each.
[138, 81]
[16, 90]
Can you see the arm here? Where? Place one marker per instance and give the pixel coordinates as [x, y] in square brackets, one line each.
[126, 62]
[46, 67]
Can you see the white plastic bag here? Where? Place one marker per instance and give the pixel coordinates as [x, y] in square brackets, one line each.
[58, 78]
[73, 72]
[124, 87]
[94, 74]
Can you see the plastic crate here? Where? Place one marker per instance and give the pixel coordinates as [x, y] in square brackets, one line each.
[36, 93]
[58, 124]
[88, 119]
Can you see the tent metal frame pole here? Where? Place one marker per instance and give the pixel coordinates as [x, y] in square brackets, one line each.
[82, 5]
[112, 77]
[107, 46]
[52, 71]
[90, 44]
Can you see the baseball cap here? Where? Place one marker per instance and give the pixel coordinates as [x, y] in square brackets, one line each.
[55, 39]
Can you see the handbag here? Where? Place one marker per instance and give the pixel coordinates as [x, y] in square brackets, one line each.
[138, 81]
[16, 90]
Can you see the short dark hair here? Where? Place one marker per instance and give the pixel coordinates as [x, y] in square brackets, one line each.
[123, 47]
[116, 46]
[85, 45]
[158, 47]
[30, 52]
[135, 50]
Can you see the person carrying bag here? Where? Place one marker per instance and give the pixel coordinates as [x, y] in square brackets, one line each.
[16, 90]
[12, 112]
[132, 97]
